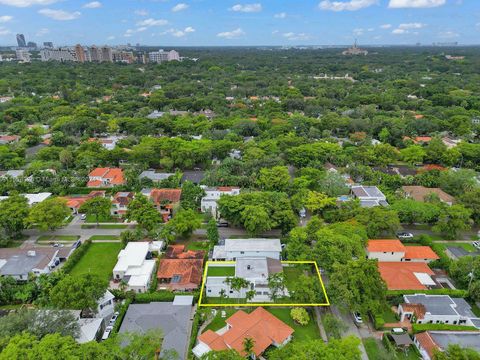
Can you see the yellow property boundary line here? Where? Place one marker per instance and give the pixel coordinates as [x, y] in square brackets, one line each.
[262, 304]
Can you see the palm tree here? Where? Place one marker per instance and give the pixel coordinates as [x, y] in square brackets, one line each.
[248, 345]
[237, 284]
[250, 294]
[223, 294]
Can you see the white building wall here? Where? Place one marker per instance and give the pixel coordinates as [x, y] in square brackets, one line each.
[386, 256]
[233, 255]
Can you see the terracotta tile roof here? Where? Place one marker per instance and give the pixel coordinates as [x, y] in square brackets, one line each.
[188, 271]
[387, 245]
[123, 198]
[401, 275]
[427, 343]
[260, 325]
[226, 188]
[94, 183]
[213, 340]
[419, 193]
[77, 201]
[418, 309]
[160, 195]
[9, 138]
[178, 252]
[420, 252]
[429, 167]
[113, 175]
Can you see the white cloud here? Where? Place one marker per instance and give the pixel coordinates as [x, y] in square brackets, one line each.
[281, 15]
[5, 18]
[398, 4]
[179, 33]
[386, 26]
[232, 34]
[351, 5]
[358, 31]
[93, 5]
[60, 15]
[141, 12]
[42, 32]
[247, 8]
[448, 34]
[296, 36]
[26, 3]
[111, 37]
[180, 7]
[4, 31]
[130, 32]
[405, 28]
[152, 22]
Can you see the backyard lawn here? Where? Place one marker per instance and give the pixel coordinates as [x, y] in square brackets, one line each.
[99, 259]
[218, 321]
[221, 271]
[307, 332]
[105, 237]
[467, 245]
[101, 219]
[375, 350]
[197, 245]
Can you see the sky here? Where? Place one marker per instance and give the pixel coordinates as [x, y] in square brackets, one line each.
[238, 23]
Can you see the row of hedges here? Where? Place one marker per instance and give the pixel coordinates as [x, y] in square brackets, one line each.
[452, 292]
[76, 256]
[197, 321]
[443, 327]
[122, 310]
[378, 322]
[161, 296]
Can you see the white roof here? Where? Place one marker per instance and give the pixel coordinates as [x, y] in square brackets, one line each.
[133, 255]
[253, 245]
[424, 279]
[33, 198]
[200, 349]
[219, 252]
[141, 275]
[89, 328]
[183, 300]
[106, 297]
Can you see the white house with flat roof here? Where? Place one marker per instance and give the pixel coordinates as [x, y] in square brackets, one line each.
[133, 267]
[239, 248]
[32, 198]
[209, 202]
[369, 196]
[256, 270]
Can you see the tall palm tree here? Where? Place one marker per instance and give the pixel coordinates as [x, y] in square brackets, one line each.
[248, 345]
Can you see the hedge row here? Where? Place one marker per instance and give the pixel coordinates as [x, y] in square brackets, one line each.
[193, 336]
[452, 292]
[76, 256]
[122, 310]
[444, 327]
[161, 296]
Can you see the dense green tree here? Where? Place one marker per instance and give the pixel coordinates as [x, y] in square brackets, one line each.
[275, 179]
[378, 220]
[182, 224]
[98, 207]
[455, 352]
[13, 214]
[50, 214]
[212, 232]
[411, 211]
[191, 195]
[452, 220]
[141, 210]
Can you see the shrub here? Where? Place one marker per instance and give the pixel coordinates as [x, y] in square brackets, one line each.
[451, 292]
[334, 326]
[442, 327]
[122, 310]
[378, 322]
[76, 256]
[300, 316]
[388, 345]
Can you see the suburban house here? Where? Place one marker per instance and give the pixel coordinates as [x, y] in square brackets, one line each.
[75, 202]
[394, 250]
[20, 262]
[164, 200]
[407, 275]
[173, 318]
[105, 177]
[429, 342]
[256, 270]
[437, 309]
[120, 202]
[195, 176]
[456, 252]
[155, 176]
[212, 195]
[108, 143]
[33, 198]
[14, 174]
[238, 248]
[134, 268]
[7, 139]
[180, 270]
[419, 193]
[265, 329]
[369, 196]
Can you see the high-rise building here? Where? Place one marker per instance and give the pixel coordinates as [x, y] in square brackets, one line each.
[158, 56]
[32, 44]
[80, 53]
[61, 54]
[95, 55]
[123, 56]
[21, 40]
[173, 55]
[107, 55]
[48, 44]
[22, 55]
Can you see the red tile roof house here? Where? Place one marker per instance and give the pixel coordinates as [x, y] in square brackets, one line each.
[392, 250]
[165, 201]
[120, 202]
[105, 177]
[7, 139]
[260, 325]
[75, 202]
[181, 270]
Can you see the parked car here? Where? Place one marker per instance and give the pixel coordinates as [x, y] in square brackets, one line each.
[357, 318]
[476, 244]
[57, 245]
[83, 217]
[222, 223]
[107, 332]
[398, 331]
[76, 244]
[405, 235]
[114, 318]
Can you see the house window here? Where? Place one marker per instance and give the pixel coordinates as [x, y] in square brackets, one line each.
[209, 290]
[231, 291]
[242, 252]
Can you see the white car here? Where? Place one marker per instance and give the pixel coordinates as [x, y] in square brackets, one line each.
[476, 244]
[405, 235]
[114, 318]
[83, 217]
[357, 318]
[107, 332]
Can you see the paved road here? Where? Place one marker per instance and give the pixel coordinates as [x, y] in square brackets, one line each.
[418, 230]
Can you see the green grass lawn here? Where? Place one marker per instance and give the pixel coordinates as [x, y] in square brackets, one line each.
[91, 219]
[218, 321]
[291, 275]
[375, 350]
[389, 316]
[104, 226]
[467, 246]
[105, 237]
[302, 333]
[58, 238]
[99, 259]
[197, 245]
[221, 271]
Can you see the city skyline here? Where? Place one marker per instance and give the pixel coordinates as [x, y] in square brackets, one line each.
[233, 23]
